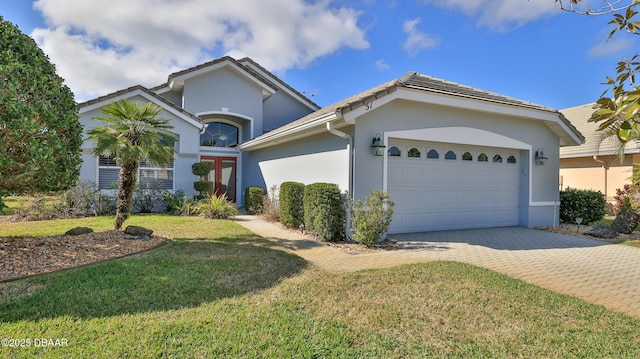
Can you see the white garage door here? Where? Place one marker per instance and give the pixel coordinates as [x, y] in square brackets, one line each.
[438, 186]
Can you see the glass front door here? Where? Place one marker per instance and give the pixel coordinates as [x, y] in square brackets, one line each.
[223, 176]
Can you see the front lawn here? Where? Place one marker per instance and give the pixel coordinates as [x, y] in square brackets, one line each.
[220, 291]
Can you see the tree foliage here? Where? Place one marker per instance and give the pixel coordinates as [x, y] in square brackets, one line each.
[617, 111]
[132, 133]
[40, 134]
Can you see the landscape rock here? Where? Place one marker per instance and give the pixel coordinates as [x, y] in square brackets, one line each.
[138, 231]
[602, 230]
[626, 221]
[78, 231]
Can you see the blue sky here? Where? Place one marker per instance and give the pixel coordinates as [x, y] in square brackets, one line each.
[330, 50]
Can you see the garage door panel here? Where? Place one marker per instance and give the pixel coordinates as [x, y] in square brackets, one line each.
[448, 194]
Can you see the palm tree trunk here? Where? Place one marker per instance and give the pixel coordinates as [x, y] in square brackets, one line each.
[127, 177]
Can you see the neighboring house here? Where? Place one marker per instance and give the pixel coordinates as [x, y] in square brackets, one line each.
[213, 107]
[453, 157]
[595, 165]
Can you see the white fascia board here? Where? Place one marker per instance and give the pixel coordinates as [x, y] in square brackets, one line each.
[594, 153]
[463, 103]
[162, 90]
[289, 134]
[148, 97]
[180, 79]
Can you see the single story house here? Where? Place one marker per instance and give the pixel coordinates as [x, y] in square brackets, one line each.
[595, 165]
[450, 156]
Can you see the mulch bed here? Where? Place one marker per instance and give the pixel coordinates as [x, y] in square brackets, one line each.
[28, 256]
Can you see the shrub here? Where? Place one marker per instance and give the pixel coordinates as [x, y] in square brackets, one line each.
[2, 204]
[200, 169]
[625, 197]
[72, 203]
[270, 209]
[149, 198]
[323, 211]
[253, 199]
[173, 200]
[291, 204]
[370, 219]
[586, 204]
[203, 187]
[216, 207]
[187, 207]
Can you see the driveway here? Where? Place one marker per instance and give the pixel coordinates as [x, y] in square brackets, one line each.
[597, 271]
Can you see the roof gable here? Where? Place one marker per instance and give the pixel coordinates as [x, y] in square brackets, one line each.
[417, 87]
[176, 80]
[142, 91]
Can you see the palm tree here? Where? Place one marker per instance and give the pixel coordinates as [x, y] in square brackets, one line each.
[131, 133]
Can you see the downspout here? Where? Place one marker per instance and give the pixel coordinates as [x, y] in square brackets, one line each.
[351, 184]
[606, 171]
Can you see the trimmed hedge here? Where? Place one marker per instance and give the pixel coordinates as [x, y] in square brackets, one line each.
[203, 186]
[253, 196]
[586, 204]
[200, 169]
[291, 204]
[324, 211]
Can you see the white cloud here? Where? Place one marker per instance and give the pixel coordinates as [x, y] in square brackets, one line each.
[416, 40]
[501, 14]
[611, 47]
[102, 46]
[382, 65]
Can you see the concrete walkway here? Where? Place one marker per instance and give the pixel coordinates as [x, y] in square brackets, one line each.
[596, 271]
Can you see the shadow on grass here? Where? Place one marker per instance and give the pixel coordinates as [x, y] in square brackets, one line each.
[184, 273]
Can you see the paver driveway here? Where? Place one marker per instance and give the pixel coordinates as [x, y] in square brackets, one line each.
[599, 272]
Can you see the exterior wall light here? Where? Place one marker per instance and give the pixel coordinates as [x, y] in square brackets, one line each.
[377, 147]
[539, 156]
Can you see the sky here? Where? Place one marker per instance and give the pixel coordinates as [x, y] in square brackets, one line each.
[330, 50]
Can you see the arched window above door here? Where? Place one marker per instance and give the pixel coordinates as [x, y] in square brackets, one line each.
[219, 134]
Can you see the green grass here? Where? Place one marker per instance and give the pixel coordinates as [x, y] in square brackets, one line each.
[220, 291]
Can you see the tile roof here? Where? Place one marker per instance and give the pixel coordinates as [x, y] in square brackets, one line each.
[143, 89]
[594, 145]
[416, 81]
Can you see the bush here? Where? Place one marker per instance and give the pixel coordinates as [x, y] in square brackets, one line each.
[72, 203]
[187, 207]
[173, 200]
[323, 211]
[586, 204]
[149, 198]
[291, 204]
[253, 199]
[203, 187]
[200, 169]
[370, 219]
[216, 208]
[270, 209]
[626, 198]
[2, 204]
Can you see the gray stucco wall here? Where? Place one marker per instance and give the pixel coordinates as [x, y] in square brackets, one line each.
[280, 109]
[224, 88]
[539, 183]
[319, 158]
[186, 149]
